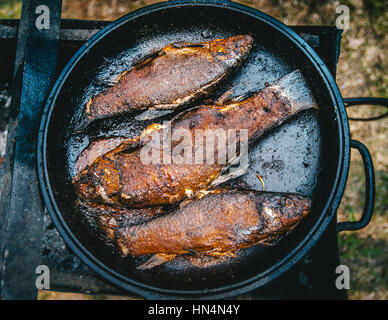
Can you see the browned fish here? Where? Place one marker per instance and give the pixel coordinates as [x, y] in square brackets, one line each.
[171, 77]
[95, 150]
[121, 178]
[218, 224]
[107, 219]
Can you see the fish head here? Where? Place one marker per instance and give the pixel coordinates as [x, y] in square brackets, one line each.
[282, 212]
[231, 50]
[89, 187]
[295, 207]
[98, 183]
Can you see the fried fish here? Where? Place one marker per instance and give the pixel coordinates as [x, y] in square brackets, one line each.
[107, 219]
[218, 224]
[176, 75]
[121, 178]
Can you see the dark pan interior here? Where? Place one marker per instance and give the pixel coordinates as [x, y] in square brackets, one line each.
[300, 156]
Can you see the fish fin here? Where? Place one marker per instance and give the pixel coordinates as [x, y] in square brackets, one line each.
[229, 97]
[237, 183]
[219, 254]
[151, 114]
[108, 231]
[225, 97]
[156, 260]
[185, 44]
[147, 59]
[126, 145]
[230, 254]
[233, 172]
[271, 241]
[228, 176]
[119, 77]
[294, 88]
[191, 251]
[204, 192]
[243, 96]
[82, 123]
[181, 115]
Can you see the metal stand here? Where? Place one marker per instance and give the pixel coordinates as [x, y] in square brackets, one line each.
[21, 207]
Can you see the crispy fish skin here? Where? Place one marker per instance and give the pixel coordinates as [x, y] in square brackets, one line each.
[107, 219]
[121, 177]
[95, 150]
[217, 224]
[173, 76]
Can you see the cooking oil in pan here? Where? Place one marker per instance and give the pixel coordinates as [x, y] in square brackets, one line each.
[285, 160]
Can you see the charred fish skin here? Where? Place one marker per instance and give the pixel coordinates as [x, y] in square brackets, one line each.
[95, 150]
[121, 178]
[127, 182]
[169, 78]
[106, 219]
[218, 223]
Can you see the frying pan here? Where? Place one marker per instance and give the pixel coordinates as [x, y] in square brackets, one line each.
[309, 154]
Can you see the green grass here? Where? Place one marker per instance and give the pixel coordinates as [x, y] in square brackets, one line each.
[381, 205]
[378, 15]
[10, 9]
[367, 258]
[349, 244]
[354, 246]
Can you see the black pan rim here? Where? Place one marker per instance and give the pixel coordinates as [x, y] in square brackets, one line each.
[296, 254]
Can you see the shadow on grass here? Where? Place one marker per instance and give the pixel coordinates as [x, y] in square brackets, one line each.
[368, 262]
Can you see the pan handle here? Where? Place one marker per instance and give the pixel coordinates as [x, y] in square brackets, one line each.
[369, 192]
[349, 102]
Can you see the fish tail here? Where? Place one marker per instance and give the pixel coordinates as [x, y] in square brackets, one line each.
[293, 86]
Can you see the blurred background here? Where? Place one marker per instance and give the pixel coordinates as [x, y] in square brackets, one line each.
[361, 72]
